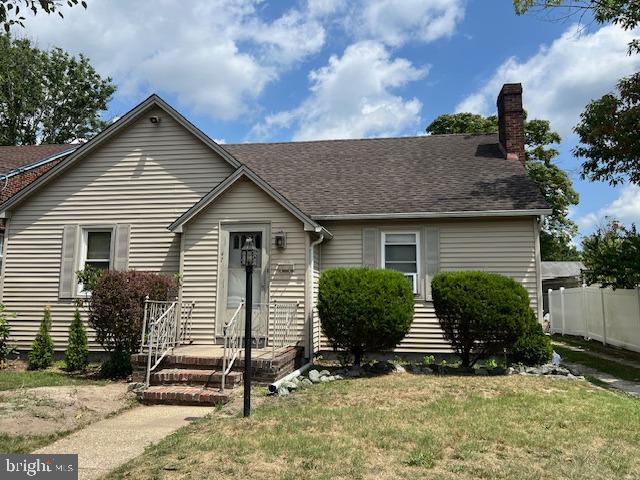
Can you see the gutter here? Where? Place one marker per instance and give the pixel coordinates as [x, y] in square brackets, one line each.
[419, 215]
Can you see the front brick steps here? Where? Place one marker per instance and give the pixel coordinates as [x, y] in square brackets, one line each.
[182, 395]
[207, 378]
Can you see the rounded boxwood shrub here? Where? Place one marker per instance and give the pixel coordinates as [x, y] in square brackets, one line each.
[480, 313]
[364, 310]
[532, 348]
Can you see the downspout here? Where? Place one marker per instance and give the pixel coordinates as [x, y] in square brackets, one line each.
[315, 243]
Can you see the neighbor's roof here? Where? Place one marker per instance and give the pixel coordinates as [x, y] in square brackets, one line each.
[551, 270]
[435, 174]
[15, 157]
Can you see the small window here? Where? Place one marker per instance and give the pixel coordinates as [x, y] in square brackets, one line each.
[96, 250]
[400, 252]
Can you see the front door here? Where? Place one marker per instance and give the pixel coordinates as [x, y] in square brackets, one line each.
[233, 278]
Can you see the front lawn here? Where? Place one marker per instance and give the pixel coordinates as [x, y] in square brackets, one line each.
[410, 426]
[13, 379]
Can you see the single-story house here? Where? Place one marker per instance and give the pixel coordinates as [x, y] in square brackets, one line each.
[152, 192]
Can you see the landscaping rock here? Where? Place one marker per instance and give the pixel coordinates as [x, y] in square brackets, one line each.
[399, 369]
[283, 391]
[314, 376]
[382, 367]
[324, 379]
[306, 382]
[325, 373]
[290, 386]
[133, 386]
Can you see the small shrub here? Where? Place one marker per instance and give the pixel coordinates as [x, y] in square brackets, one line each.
[480, 313]
[116, 310]
[532, 348]
[6, 348]
[41, 354]
[428, 360]
[77, 355]
[491, 364]
[364, 310]
[118, 365]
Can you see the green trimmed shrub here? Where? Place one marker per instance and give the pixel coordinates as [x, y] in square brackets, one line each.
[116, 310]
[480, 313]
[41, 354]
[6, 349]
[77, 355]
[532, 348]
[364, 310]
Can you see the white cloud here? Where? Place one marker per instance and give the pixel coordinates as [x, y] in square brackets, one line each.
[394, 22]
[215, 55]
[625, 208]
[352, 96]
[560, 79]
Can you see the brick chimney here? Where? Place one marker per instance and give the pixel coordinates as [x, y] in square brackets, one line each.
[511, 121]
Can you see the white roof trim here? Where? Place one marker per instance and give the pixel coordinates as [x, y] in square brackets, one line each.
[244, 171]
[153, 101]
[419, 215]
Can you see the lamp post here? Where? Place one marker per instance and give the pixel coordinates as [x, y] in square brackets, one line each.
[248, 259]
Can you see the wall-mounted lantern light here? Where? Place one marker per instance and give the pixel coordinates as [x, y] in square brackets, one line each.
[281, 239]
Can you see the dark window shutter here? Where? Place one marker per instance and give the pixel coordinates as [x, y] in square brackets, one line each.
[370, 247]
[68, 263]
[121, 247]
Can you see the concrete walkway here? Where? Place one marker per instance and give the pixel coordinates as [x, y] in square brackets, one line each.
[604, 356]
[632, 388]
[109, 443]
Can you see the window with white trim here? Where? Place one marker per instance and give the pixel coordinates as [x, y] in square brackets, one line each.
[401, 252]
[96, 249]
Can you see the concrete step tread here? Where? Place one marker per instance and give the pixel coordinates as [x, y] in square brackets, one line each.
[182, 395]
[185, 375]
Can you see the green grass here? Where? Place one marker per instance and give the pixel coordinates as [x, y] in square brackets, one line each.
[18, 444]
[598, 347]
[406, 426]
[616, 369]
[12, 379]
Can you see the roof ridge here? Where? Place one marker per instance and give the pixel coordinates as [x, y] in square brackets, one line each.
[400, 137]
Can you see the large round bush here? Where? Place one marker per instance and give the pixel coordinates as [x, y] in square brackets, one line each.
[364, 310]
[480, 313]
[116, 310]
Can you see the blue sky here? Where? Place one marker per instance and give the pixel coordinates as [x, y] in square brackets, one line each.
[252, 70]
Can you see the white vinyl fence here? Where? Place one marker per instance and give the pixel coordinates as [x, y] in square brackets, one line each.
[610, 316]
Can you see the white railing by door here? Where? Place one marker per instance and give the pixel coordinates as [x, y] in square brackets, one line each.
[284, 316]
[233, 338]
[165, 325]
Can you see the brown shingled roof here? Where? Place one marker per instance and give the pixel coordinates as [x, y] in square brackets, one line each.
[13, 157]
[435, 174]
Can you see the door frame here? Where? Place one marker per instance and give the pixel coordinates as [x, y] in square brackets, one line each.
[224, 228]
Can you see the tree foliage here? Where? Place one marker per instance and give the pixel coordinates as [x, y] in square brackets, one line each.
[555, 183]
[480, 313]
[12, 11]
[48, 96]
[364, 310]
[7, 348]
[609, 132]
[609, 127]
[612, 256]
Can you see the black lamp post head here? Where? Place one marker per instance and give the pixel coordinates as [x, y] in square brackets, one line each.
[249, 253]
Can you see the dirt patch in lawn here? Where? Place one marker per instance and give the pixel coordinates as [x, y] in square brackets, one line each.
[43, 411]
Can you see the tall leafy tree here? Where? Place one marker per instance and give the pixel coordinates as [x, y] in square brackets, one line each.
[555, 184]
[12, 11]
[612, 256]
[48, 96]
[609, 127]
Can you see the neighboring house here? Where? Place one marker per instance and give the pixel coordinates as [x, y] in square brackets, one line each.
[559, 274]
[21, 165]
[152, 192]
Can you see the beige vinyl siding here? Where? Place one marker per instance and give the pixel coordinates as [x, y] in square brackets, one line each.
[243, 202]
[146, 177]
[505, 246]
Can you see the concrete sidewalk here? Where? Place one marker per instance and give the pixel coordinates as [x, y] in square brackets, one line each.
[109, 443]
